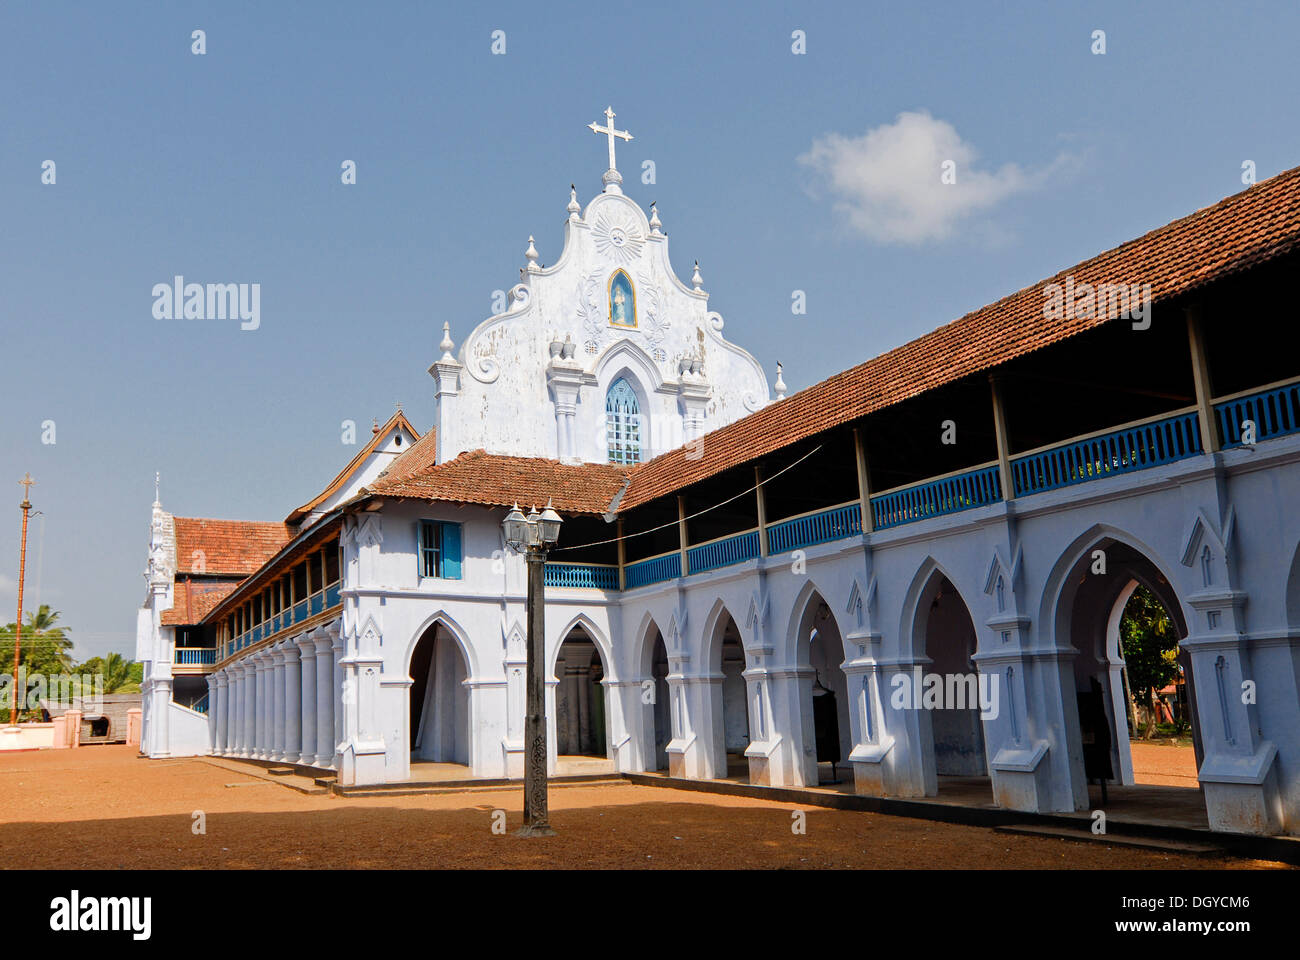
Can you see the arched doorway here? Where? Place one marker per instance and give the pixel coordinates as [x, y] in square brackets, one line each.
[580, 714]
[730, 699]
[439, 699]
[1115, 600]
[946, 693]
[823, 695]
[659, 707]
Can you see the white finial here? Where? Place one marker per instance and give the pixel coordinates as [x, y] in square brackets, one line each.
[697, 279]
[447, 343]
[780, 384]
[573, 207]
[531, 254]
[157, 486]
[654, 220]
[612, 178]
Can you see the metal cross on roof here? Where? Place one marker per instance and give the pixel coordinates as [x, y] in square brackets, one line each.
[610, 132]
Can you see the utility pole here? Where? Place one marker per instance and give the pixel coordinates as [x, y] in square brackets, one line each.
[26, 507]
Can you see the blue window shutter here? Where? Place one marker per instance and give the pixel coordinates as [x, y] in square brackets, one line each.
[451, 551]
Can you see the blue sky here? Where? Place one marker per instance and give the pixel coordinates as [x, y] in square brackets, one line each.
[779, 172]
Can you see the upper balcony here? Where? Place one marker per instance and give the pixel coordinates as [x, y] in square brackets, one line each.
[1116, 400]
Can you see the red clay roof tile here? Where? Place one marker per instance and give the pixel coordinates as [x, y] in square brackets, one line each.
[490, 479]
[1241, 231]
[217, 547]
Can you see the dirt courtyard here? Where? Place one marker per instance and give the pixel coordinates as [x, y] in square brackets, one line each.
[104, 807]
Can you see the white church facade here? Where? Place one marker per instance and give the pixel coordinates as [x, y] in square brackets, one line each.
[752, 586]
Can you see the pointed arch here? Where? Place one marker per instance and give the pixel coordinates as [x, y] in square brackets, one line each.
[457, 633]
[795, 653]
[626, 358]
[1058, 579]
[1291, 592]
[916, 591]
[620, 300]
[597, 637]
[643, 650]
[711, 647]
[624, 424]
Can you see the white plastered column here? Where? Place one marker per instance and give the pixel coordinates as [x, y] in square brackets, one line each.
[217, 711]
[277, 702]
[324, 698]
[262, 738]
[292, 749]
[308, 706]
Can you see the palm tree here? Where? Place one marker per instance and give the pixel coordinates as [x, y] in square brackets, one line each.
[45, 648]
[117, 672]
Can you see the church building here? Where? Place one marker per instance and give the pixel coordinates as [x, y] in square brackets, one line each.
[759, 587]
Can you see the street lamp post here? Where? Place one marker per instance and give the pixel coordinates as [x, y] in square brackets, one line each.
[26, 507]
[534, 536]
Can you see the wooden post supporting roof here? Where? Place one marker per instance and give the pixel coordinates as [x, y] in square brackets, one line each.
[1000, 430]
[1201, 377]
[622, 557]
[864, 479]
[761, 502]
[681, 531]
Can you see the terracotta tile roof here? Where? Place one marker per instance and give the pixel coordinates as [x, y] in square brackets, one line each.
[398, 419]
[1242, 231]
[227, 546]
[290, 553]
[418, 456]
[194, 600]
[494, 480]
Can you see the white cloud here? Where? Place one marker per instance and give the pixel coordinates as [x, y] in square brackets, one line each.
[887, 182]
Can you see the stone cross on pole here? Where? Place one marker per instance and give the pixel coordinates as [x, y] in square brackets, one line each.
[610, 132]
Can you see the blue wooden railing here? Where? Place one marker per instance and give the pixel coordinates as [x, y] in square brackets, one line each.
[667, 567]
[962, 491]
[1275, 413]
[833, 524]
[300, 611]
[332, 595]
[596, 575]
[723, 553]
[1121, 451]
[201, 704]
[194, 656]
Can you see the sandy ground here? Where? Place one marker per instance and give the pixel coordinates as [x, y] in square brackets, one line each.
[104, 807]
[1160, 763]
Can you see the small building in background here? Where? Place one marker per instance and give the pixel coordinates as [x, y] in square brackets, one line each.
[103, 718]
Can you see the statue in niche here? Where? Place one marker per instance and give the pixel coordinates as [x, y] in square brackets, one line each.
[622, 301]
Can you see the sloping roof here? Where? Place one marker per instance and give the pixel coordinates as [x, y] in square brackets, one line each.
[194, 600]
[398, 419]
[494, 480]
[226, 547]
[1242, 231]
[418, 456]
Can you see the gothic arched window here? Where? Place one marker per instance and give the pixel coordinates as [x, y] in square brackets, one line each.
[622, 423]
[622, 300]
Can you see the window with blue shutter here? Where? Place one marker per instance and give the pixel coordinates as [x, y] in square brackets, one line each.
[440, 550]
[451, 551]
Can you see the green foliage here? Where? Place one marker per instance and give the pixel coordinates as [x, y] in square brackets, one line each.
[120, 675]
[44, 647]
[1149, 643]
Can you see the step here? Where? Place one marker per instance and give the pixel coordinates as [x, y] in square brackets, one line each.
[1083, 835]
[280, 771]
